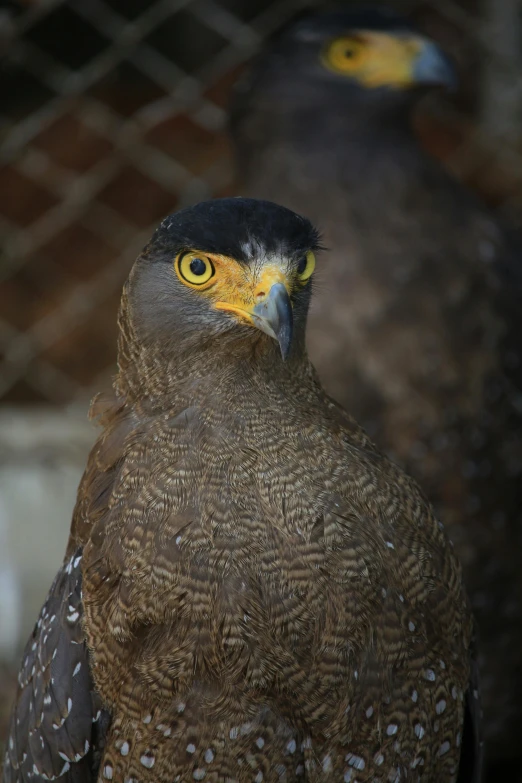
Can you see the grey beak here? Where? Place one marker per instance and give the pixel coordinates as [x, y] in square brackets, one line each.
[433, 66]
[274, 316]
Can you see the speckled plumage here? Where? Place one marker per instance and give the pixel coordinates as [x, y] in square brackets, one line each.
[265, 596]
[416, 322]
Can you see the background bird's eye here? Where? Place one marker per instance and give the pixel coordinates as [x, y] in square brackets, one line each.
[343, 53]
[306, 266]
[194, 268]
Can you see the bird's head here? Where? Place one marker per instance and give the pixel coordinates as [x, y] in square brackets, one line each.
[368, 52]
[227, 272]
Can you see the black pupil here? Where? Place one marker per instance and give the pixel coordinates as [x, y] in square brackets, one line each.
[198, 266]
[301, 266]
[348, 53]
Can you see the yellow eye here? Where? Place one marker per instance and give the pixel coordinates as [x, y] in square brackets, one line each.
[343, 54]
[194, 269]
[305, 267]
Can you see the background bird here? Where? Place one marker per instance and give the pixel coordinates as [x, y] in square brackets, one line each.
[251, 591]
[416, 324]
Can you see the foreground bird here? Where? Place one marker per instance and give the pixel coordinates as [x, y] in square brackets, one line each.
[251, 591]
[416, 324]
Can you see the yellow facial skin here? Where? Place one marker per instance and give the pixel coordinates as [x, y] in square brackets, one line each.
[375, 59]
[235, 287]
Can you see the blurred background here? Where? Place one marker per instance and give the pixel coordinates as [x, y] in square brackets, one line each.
[112, 114]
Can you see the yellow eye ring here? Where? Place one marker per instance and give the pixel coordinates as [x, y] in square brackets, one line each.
[342, 54]
[305, 267]
[194, 269]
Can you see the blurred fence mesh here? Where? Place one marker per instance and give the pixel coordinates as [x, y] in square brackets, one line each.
[114, 113]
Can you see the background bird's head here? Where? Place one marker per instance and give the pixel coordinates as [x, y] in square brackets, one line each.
[366, 53]
[228, 272]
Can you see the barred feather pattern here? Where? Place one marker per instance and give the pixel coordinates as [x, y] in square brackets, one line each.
[265, 596]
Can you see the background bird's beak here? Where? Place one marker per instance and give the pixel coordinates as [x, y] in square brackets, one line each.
[432, 66]
[274, 316]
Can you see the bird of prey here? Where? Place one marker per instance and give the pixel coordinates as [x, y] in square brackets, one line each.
[251, 590]
[415, 327]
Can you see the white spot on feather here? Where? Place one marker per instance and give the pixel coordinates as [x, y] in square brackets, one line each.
[147, 761]
[327, 764]
[355, 761]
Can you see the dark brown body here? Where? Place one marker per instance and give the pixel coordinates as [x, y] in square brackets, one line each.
[265, 596]
[415, 329]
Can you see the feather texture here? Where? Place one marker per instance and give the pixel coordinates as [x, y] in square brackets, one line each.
[265, 596]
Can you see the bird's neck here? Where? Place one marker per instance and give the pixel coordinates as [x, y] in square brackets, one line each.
[337, 141]
[229, 370]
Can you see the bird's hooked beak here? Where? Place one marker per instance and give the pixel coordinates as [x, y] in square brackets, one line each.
[431, 66]
[274, 316]
[271, 309]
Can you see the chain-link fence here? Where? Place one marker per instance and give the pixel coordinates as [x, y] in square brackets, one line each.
[113, 113]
